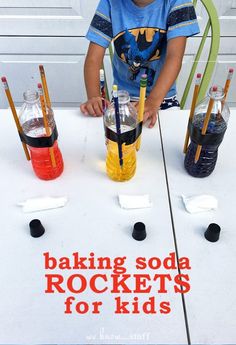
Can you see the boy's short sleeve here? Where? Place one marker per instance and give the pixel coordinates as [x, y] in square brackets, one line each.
[100, 30]
[182, 19]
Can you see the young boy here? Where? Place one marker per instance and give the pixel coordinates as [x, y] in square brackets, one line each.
[149, 37]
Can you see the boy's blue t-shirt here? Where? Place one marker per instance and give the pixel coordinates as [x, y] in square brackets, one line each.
[140, 36]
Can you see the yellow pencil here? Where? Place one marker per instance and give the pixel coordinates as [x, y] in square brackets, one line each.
[228, 81]
[13, 109]
[194, 101]
[142, 96]
[205, 124]
[45, 121]
[45, 87]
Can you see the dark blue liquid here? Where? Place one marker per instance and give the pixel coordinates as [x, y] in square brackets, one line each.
[208, 157]
[206, 163]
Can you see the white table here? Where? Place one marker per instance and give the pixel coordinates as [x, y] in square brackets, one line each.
[211, 304]
[91, 222]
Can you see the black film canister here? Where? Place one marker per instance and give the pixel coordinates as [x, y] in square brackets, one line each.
[139, 231]
[36, 228]
[212, 233]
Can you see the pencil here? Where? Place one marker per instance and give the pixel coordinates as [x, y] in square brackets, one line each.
[228, 81]
[205, 124]
[45, 121]
[142, 96]
[102, 89]
[193, 105]
[13, 110]
[118, 130]
[45, 87]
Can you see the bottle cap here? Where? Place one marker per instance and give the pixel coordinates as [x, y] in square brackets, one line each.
[212, 233]
[36, 228]
[139, 231]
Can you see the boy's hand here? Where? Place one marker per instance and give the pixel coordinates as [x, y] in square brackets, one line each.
[93, 106]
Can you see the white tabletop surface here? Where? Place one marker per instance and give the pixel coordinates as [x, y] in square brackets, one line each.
[92, 221]
[211, 303]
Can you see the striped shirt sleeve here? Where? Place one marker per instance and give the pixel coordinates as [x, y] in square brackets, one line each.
[182, 20]
[100, 30]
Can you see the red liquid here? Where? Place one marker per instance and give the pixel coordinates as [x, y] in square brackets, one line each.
[42, 164]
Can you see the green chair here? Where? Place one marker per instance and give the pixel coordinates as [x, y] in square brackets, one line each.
[213, 24]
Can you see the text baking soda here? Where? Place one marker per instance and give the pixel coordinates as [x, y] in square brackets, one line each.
[111, 276]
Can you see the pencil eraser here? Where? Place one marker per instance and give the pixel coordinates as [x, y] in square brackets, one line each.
[214, 88]
[199, 75]
[4, 79]
[231, 70]
[39, 85]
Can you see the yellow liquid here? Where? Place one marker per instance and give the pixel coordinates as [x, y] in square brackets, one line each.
[114, 170]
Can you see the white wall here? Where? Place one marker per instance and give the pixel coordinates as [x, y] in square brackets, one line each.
[53, 34]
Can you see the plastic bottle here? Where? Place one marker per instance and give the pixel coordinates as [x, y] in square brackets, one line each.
[214, 135]
[128, 124]
[31, 119]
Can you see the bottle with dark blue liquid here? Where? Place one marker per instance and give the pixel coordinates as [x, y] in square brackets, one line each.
[213, 137]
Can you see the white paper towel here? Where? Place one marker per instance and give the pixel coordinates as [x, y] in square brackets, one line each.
[41, 204]
[134, 201]
[200, 203]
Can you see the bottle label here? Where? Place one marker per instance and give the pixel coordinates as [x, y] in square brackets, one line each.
[41, 141]
[127, 137]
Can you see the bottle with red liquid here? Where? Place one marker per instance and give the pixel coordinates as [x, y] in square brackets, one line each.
[34, 134]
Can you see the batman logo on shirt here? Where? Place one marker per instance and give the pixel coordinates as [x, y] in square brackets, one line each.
[138, 48]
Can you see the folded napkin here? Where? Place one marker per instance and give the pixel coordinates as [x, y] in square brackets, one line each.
[41, 204]
[134, 201]
[200, 203]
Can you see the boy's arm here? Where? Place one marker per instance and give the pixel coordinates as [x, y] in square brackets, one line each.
[168, 75]
[93, 63]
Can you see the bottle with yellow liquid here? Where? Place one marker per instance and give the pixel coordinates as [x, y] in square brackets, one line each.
[121, 147]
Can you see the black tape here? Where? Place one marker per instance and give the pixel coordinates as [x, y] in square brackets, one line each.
[41, 141]
[128, 137]
[211, 139]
